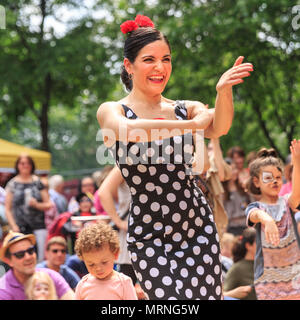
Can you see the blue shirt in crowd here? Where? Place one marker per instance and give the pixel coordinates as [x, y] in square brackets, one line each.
[59, 200]
[77, 265]
[69, 275]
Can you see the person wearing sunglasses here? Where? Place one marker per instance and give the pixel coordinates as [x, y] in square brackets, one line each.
[56, 252]
[19, 252]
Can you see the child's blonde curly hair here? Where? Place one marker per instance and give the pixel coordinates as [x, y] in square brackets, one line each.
[95, 236]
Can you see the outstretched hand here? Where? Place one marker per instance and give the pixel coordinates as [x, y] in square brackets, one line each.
[234, 75]
[272, 233]
[295, 151]
[239, 292]
[294, 199]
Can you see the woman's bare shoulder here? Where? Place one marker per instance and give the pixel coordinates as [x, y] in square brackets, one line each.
[108, 107]
[190, 104]
[193, 106]
[116, 105]
[168, 101]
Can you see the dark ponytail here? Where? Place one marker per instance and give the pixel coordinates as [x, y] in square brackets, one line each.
[125, 79]
[239, 249]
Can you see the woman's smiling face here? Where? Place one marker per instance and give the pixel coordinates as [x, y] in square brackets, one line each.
[152, 67]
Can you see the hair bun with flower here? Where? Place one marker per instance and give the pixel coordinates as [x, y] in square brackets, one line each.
[140, 21]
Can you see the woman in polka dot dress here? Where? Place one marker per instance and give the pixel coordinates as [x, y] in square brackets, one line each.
[172, 238]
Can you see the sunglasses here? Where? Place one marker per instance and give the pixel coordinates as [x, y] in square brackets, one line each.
[57, 250]
[21, 254]
[85, 200]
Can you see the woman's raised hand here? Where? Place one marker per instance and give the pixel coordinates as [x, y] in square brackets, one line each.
[295, 151]
[234, 75]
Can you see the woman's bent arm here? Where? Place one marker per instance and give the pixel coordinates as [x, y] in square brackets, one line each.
[115, 126]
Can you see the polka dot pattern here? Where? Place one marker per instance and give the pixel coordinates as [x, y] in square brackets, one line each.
[172, 239]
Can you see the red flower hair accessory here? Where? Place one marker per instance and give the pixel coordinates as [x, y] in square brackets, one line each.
[140, 21]
[128, 26]
[144, 21]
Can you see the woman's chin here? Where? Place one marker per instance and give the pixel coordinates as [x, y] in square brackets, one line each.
[155, 89]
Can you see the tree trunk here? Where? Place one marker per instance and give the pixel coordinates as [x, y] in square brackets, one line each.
[256, 108]
[44, 120]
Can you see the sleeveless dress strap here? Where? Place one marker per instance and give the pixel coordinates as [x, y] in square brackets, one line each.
[128, 112]
[180, 110]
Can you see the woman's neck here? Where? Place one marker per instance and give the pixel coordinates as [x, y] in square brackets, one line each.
[249, 256]
[24, 177]
[137, 97]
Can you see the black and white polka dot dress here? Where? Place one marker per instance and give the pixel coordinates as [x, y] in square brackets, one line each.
[172, 238]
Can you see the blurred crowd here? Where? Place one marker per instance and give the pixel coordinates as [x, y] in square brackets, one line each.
[38, 205]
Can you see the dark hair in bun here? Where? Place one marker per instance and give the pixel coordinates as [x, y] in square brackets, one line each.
[265, 153]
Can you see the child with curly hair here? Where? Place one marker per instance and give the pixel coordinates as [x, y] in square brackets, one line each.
[98, 246]
[277, 259]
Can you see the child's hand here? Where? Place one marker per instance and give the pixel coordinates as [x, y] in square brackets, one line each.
[139, 292]
[295, 151]
[240, 292]
[271, 232]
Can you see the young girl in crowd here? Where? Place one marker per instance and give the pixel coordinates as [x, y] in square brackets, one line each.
[277, 260]
[239, 279]
[40, 287]
[98, 246]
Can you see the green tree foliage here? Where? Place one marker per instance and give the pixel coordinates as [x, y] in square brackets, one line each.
[42, 69]
[207, 36]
